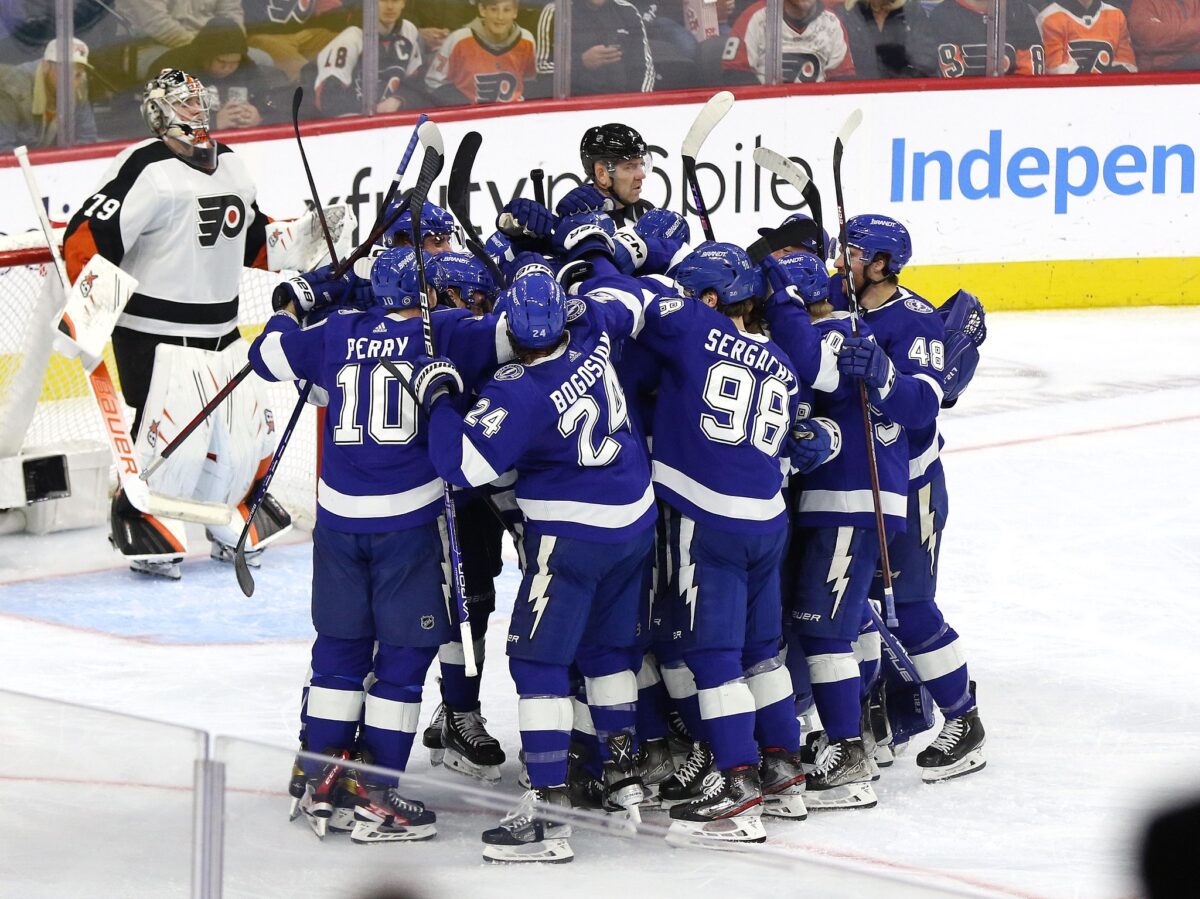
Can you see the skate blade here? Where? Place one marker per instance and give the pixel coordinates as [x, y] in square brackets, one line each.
[968, 764]
[846, 796]
[723, 833]
[436, 756]
[554, 852]
[883, 756]
[623, 821]
[787, 806]
[489, 774]
[294, 809]
[342, 820]
[368, 832]
[319, 824]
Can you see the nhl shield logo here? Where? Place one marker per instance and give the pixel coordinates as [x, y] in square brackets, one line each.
[426, 622]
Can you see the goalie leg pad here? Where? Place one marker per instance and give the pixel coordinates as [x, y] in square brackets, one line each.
[138, 536]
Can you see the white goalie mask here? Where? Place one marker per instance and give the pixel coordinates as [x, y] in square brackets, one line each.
[176, 107]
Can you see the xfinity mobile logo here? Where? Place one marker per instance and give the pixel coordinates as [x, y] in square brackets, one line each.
[1032, 172]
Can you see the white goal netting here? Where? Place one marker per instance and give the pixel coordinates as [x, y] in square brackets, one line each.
[45, 404]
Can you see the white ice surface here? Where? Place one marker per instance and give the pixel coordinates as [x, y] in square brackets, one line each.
[1070, 569]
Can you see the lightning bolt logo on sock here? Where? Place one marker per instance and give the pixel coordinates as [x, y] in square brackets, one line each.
[839, 568]
[689, 590]
[928, 533]
[539, 585]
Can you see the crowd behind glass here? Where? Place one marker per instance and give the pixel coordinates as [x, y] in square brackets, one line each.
[437, 53]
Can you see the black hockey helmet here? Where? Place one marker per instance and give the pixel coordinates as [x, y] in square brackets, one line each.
[609, 142]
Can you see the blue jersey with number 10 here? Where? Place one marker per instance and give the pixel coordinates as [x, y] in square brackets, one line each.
[375, 470]
[563, 423]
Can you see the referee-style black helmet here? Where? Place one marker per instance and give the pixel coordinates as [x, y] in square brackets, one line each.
[609, 143]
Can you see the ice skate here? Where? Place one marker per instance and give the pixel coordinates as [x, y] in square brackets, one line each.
[431, 739]
[296, 787]
[956, 751]
[623, 789]
[584, 790]
[812, 747]
[523, 777]
[468, 748]
[678, 738]
[841, 778]
[782, 779]
[320, 793]
[527, 834]
[727, 814]
[168, 568]
[656, 764]
[685, 784]
[382, 815]
[219, 552]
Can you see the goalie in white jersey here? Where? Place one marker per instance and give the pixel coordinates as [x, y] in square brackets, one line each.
[178, 213]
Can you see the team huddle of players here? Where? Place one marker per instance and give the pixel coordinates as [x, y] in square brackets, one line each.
[674, 437]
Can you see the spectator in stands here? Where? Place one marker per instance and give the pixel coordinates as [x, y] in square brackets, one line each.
[609, 48]
[488, 61]
[1166, 34]
[435, 19]
[891, 38]
[29, 99]
[1085, 37]
[164, 24]
[339, 71]
[293, 32]
[815, 45]
[960, 29]
[246, 94]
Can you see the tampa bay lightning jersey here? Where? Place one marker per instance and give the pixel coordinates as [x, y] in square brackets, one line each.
[913, 335]
[726, 401]
[563, 423]
[838, 493]
[376, 474]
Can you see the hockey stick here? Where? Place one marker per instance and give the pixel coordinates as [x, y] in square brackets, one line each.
[338, 271]
[458, 197]
[899, 655]
[714, 110]
[241, 567]
[538, 177]
[839, 146]
[782, 167]
[431, 167]
[112, 408]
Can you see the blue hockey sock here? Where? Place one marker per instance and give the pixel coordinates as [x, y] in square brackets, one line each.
[681, 687]
[835, 685]
[459, 692]
[653, 702]
[393, 704]
[333, 699]
[775, 723]
[726, 707]
[937, 654]
[797, 665]
[544, 717]
[612, 693]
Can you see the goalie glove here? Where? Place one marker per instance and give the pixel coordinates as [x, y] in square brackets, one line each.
[299, 244]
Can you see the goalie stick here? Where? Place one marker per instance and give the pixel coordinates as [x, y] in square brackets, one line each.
[839, 147]
[340, 269]
[714, 110]
[241, 567]
[458, 197]
[112, 408]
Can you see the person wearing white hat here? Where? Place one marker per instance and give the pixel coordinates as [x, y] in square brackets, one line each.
[29, 100]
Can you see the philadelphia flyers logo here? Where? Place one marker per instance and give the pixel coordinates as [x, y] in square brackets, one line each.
[496, 87]
[221, 216]
[802, 67]
[281, 11]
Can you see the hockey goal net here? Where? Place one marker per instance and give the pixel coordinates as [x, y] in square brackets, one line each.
[46, 408]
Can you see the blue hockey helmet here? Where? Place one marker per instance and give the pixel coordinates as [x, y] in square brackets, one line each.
[434, 220]
[663, 223]
[966, 330]
[463, 272]
[536, 307]
[395, 281]
[875, 234]
[812, 237]
[810, 276]
[723, 267]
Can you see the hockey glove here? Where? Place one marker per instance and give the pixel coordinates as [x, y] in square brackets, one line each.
[589, 232]
[862, 357]
[434, 377]
[629, 251]
[780, 289]
[812, 443]
[317, 289]
[523, 221]
[585, 198]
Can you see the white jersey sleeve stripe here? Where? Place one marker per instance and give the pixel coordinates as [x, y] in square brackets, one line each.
[271, 350]
[919, 465]
[932, 382]
[846, 501]
[743, 507]
[386, 505]
[475, 467]
[596, 515]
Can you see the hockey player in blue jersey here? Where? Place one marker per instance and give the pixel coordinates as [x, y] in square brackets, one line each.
[559, 417]
[380, 600]
[437, 226]
[836, 542]
[904, 366]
